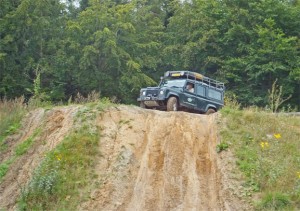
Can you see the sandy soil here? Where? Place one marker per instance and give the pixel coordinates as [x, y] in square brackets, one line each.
[150, 160]
[155, 160]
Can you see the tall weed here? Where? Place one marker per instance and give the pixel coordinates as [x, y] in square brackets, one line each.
[11, 113]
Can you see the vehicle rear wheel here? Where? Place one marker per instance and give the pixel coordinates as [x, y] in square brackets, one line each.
[172, 104]
[210, 111]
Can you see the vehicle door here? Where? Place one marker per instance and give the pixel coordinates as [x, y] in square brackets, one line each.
[216, 97]
[189, 95]
[201, 101]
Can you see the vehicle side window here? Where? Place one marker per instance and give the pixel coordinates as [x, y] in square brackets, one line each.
[200, 90]
[214, 94]
[190, 87]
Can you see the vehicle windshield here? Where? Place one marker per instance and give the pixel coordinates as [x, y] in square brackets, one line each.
[172, 83]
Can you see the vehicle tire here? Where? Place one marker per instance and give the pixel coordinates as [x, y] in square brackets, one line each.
[172, 104]
[210, 111]
[142, 105]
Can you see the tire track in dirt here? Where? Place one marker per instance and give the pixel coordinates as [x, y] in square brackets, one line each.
[155, 160]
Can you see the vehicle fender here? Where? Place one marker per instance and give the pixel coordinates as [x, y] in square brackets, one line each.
[170, 94]
[210, 106]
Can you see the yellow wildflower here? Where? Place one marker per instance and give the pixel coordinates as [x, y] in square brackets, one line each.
[277, 135]
[58, 157]
[298, 172]
[264, 144]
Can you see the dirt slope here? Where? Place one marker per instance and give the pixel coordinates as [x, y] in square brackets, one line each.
[55, 125]
[151, 160]
[156, 160]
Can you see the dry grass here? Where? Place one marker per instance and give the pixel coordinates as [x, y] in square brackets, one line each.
[91, 97]
[11, 113]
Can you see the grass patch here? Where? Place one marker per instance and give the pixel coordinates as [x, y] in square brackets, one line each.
[11, 114]
[89, 111]
[267, 148]
[4, 167]
[64, 177]
[222, 146]
[21, 149]
[275, 201]
[24, 146]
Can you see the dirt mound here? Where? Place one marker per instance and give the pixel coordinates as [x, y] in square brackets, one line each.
[150, 160]
[156, 160]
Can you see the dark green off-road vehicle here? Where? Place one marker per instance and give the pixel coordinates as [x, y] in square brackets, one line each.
[184, 90]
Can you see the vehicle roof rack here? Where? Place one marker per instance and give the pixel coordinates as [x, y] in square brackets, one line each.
[196, 76]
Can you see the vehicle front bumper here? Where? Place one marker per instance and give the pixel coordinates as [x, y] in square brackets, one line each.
[151, 101]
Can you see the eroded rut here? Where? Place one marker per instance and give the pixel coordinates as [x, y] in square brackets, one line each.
[156, 160]
[150, 160]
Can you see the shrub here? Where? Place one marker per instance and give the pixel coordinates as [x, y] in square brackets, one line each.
[222, 146]
[275, 201]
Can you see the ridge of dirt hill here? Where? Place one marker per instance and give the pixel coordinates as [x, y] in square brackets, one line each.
[150, 160]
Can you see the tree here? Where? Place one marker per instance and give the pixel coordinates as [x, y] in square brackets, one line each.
[29, 34]
[107, 48]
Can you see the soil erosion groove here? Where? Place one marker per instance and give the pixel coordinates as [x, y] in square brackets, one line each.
[155, 160]
[150, 160]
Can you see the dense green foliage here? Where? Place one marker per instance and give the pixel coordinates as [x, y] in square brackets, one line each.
[117, 47]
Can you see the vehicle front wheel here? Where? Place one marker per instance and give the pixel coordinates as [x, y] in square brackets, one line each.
[142, 104]
[210, 111]
[172, 104]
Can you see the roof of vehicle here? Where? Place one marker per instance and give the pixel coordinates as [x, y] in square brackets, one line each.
[195, 76]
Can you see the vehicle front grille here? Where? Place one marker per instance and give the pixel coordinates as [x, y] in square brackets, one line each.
[152, 93]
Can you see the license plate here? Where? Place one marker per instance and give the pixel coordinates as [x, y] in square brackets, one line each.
[151, 103]
[147, 98]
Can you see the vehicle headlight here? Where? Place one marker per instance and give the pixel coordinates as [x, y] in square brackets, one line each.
[161, 92]
[144, 93]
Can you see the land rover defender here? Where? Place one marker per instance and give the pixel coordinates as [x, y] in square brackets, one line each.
[184, 90]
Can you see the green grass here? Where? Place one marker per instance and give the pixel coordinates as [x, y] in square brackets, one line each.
[11, 114]
[65, 176]
[4, 167]
[267, 150]
[222, 146]
[275, 201]
[20, 149]
[23, 147]
[64, 173]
